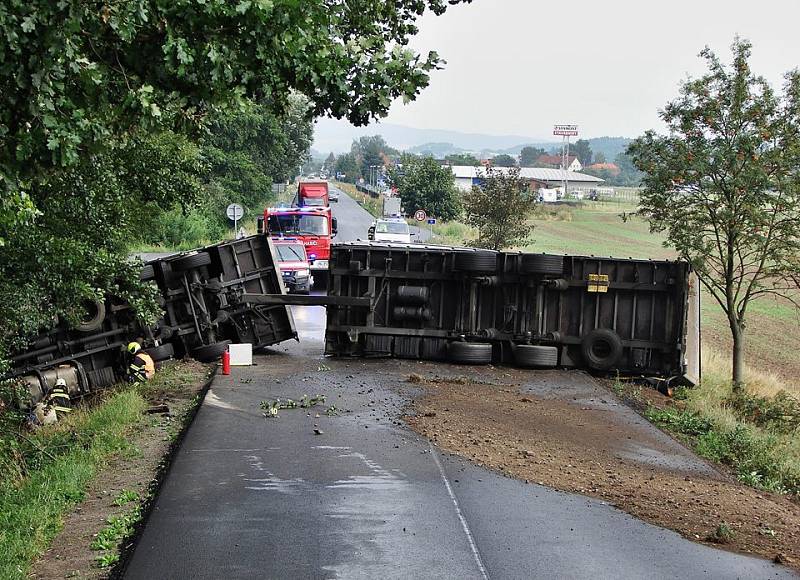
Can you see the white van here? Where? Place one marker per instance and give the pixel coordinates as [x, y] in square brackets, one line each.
[390, 230]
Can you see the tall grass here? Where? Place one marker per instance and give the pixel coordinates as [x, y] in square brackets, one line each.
[31, 508]
[729, 427]
[45, 473]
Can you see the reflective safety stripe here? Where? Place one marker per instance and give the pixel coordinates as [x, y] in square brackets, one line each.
[63, 409]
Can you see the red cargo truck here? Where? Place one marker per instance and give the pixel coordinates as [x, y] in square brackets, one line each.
[313, 194]
[314, 226]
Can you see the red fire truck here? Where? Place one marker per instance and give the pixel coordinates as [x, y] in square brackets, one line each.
[314, 226]
[313, 194]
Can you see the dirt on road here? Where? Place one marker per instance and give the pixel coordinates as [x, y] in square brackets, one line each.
[565, 431]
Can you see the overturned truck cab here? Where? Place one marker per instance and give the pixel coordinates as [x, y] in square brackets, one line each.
[635, 317]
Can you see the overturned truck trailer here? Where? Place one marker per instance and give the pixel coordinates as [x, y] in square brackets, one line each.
[201, 296]
[537, 310]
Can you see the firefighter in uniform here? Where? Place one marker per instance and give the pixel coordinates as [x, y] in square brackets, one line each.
[58, 399]
[142, 367]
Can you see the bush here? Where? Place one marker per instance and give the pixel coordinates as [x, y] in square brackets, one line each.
[757, 458]
[685, 422]
[780, 414]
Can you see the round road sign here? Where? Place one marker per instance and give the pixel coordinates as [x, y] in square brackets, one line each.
[234, 212]
[420, 215]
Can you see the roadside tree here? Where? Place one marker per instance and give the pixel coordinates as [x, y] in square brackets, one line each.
[529, 155]
[499, 208]
[86, 84]
[424, 184]
[724, 186]
[347, 165]
[582, 150]
[462, 159]
[504, 160]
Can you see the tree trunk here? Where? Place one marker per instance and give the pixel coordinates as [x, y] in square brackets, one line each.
[738, 355]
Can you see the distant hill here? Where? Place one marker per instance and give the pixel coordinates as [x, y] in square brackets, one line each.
[337, 136]
[438, 150]
[609, 146]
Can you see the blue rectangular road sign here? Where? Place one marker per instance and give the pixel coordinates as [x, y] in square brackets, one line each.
[432, 221]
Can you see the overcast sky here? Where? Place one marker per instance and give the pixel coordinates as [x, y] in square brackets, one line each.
[519, 66]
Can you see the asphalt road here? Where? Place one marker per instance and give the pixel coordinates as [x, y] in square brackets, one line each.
[354, 221]
[250, 497]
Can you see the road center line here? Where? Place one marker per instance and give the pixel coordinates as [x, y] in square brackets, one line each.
[459, 513]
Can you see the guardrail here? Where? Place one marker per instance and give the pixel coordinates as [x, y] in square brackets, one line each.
[370, 190]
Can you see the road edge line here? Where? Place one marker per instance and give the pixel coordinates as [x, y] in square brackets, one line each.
[464, 525]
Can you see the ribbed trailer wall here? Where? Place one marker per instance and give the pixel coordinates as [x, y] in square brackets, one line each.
[425, 297]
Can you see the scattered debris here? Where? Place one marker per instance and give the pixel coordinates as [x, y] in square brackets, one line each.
[722, 534]
[332, 411]
[318, 431]
[157, 409]
[415, 378]
[271, 408]
[781, 558]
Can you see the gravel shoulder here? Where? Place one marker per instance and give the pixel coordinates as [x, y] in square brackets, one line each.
[566, 431]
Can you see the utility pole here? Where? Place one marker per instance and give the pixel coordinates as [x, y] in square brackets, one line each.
[566, 131]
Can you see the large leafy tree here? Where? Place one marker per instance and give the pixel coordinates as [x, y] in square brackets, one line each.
[499, 208]
[83, 85]
[504, 160]
[372, 152]
[252, 148]
[725, 186]
[529, 155]
[74, 73]
[582, 150]
[87, 213]
[347, 166]
[462, 159]
[424, 184]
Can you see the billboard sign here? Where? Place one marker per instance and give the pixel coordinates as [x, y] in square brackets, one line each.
[565, 130]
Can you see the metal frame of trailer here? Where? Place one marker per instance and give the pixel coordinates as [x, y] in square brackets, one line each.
[200, 294]
[636, 317]
[604, 314]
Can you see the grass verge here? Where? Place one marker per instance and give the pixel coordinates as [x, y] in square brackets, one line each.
[756, 432]
[54, 466]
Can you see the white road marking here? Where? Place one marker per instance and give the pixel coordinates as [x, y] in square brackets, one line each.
[464, 525]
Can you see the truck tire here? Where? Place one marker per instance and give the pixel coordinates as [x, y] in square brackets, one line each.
[210, 352]
[163, 352]
[471, 353]
[148, 273]
[601, 349]
[191, 262]
[535, 356]
[542, 264]
[476, 261]
[94, 316]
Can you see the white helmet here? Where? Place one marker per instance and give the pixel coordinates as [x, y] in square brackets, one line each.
[60, 382]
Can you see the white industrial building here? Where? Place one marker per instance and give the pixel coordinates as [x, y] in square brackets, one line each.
[466, 176]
